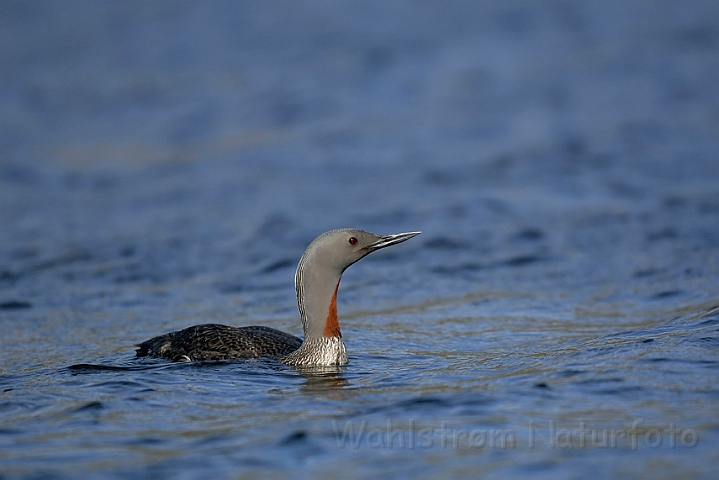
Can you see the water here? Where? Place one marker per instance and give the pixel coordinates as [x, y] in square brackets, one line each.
[166, 164]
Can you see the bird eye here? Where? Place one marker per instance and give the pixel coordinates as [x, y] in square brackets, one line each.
[353, 241]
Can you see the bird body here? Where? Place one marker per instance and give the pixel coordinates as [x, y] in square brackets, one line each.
[219, 342]
[317, 281]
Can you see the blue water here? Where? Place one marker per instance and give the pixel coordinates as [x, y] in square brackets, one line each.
[164, 164]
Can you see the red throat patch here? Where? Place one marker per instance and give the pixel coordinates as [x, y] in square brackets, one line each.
[332, 325]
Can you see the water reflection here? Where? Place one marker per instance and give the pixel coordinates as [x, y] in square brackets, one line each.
[323, 378]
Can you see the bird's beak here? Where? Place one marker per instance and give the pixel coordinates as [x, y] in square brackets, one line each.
[387, 240]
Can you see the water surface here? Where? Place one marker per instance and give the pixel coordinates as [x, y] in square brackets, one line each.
[166, 164]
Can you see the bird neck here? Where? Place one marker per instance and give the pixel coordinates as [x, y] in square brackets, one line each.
[318, 351]
[317, 286]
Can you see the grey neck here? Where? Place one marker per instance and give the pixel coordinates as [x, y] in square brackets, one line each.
[316, 282]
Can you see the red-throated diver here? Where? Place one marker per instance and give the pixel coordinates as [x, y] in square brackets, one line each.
[316, 282]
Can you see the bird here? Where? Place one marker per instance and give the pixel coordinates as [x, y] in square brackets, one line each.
[317, 280]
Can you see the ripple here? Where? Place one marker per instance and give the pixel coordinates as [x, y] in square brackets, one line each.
[15, 305]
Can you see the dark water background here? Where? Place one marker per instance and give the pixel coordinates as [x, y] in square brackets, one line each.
[164, 164]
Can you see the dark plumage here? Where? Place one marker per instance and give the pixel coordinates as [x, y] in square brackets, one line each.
[219, 342]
